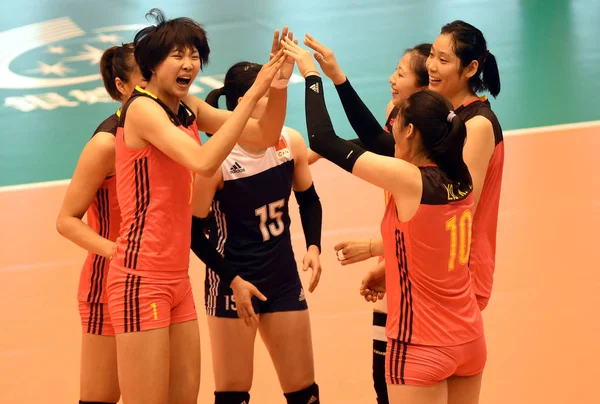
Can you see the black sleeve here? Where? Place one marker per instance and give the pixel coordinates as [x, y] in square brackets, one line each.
[358, 142]
[366, 126]
[321, 135]
[311, 215]
[208, 254]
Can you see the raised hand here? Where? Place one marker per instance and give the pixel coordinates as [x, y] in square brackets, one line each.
[326, 60]
[288, 67]
[266, 74]
[303, 57]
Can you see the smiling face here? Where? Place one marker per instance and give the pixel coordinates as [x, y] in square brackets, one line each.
[177, 72]
[403, 80]
[447, 75]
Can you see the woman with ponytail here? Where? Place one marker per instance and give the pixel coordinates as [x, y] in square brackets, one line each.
[92, 191]
[434, 327]
[250, 227]
[460, 65]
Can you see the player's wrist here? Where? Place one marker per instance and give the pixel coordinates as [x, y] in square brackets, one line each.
[338, 78]
[236, 282]
[313, 248]
[252, 95]
[109, 250]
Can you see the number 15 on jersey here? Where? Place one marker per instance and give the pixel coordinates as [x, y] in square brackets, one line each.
[273, 229]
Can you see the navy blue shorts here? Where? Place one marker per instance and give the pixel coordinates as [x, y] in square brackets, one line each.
[285, 295]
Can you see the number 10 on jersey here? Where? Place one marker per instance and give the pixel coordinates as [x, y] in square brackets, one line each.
[273, 229]
[460, 238]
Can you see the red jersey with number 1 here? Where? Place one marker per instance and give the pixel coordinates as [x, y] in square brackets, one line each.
[428, 283]
[155, 196]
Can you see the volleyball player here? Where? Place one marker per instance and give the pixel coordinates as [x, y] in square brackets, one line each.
[92, 191]
[250, 226]
[409, 77]
[460, 66]
[434, 327]
[158, 153]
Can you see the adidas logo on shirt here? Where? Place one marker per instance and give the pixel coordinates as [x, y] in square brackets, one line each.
[315, 88]
[237, 168]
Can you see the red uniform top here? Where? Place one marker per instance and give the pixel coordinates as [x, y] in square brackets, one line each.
[485, 221]
[428, 283]
[155, 196]
[104, 217]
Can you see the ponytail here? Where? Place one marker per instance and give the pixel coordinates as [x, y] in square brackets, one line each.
[448, 153]
[443, 133]
[491, 75]
[238, 79]
[116, 61]
[106, 70]
[212, 99]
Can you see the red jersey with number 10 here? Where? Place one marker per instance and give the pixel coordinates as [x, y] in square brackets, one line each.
[428, 283]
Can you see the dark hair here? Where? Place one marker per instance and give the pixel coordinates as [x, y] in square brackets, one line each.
[418, 59]
[443, 134]
[469, 45]
[238, 79]
[153, 43]
[117, 61]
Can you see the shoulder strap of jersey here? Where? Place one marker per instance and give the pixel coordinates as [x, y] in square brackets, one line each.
[186, 114]
[285, 142]
[109, 125]
[438, 189]
[389, 123]
[139, 92]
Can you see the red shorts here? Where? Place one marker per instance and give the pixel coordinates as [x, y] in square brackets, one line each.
[95, 319]
[421, 365]
[146, 301]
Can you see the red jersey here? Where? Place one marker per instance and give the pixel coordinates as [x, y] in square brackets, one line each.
[155, 196]
[428, 283]
[104, 217]
[485, 220]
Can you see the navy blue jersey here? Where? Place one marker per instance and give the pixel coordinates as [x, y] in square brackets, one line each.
[250, 225]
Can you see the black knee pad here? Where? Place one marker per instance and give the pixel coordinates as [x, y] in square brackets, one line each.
[232, 397]
[309, 395]
[379, 383]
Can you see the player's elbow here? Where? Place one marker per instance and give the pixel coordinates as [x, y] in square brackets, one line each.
[206, 169]
[62, 224]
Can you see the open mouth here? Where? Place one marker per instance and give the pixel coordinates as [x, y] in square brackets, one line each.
[183, 81]
[434, 81]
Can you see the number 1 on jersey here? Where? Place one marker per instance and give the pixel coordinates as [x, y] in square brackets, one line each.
[274, 229]
[460, 238]
[193, 180]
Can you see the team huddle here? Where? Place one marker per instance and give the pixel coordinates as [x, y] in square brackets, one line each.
[152, 191]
